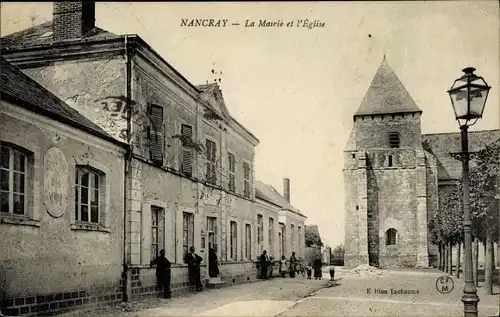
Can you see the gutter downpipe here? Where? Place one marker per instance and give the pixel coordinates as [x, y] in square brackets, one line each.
[127, 281]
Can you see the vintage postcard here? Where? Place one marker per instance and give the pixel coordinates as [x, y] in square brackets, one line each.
[250, 158]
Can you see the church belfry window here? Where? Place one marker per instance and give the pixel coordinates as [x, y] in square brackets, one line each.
[389, 160]
[394, 139]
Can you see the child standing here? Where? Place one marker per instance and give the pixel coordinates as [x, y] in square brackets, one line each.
[332, 272]
[309, 271]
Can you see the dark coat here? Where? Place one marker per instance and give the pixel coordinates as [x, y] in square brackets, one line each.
[163, 266]
[263, 260]
[193, 260]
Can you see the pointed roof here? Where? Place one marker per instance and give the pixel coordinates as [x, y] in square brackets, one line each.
[386, 94]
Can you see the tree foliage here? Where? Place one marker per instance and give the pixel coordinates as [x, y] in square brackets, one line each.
[312, 237]
[484, 191]
[446, 226]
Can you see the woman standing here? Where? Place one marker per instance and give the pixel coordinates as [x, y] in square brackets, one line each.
[283, 268]
[293, 264]
[317, 269]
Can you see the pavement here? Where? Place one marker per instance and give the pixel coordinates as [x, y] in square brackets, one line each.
[414, 293]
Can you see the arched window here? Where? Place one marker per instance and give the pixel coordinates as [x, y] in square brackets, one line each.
[391, 236]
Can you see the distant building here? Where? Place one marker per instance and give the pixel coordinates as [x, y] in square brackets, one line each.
[393, 176]
[282, 224]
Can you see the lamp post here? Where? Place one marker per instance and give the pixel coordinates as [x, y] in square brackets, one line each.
[468, 96]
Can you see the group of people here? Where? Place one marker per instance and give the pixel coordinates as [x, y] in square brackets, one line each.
[266, 267]
[163, 271]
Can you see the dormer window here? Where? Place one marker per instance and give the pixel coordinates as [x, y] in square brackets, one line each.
[394, 139]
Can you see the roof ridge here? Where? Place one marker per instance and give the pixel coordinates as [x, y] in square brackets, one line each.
[458, 132]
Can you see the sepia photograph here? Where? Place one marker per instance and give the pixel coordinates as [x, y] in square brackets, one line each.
[321, 158]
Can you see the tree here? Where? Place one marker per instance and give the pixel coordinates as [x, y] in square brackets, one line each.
[484, 196]
[312, 237]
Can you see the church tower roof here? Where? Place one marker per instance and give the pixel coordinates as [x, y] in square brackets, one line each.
[386, 94]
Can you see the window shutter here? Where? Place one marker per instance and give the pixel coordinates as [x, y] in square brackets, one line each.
[187, 157]
[156, 139]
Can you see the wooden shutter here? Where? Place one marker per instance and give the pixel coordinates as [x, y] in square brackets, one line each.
[187, 156]
[156, 134]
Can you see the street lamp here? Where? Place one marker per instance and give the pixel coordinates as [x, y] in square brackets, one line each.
[468, 97]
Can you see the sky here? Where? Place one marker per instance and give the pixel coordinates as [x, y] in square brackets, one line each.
[297, 88]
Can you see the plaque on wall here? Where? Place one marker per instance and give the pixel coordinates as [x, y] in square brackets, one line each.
[55, 187]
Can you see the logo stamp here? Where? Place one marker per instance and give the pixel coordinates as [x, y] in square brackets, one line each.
[444, 284]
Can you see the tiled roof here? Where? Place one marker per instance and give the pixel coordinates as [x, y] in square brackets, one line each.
[386, 94]
[270, 194]
[41, 34]
[24, 91]
[441, 144]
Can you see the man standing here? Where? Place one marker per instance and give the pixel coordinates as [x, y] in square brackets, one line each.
[263, 265]
[193, 261]
[163, 273]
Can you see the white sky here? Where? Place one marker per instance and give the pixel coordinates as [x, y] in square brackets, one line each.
[296, 89]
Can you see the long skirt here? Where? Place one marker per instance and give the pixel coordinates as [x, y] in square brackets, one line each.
[317, 272]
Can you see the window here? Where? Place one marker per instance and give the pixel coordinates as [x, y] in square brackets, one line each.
[13, 181]
[248, 241]
[280, 244]
[233, 241]
[157, 231]
[292, 237]
[389, 160]
[187, 153]
[260, 233]
[301, 240]
[394, 139]
[246, 181]
[88, 194]
[271, 236]
[187, 231]
[282, 238]
[211, 176]
[212, 232]
[232, 176]
[391, 236]
[156, 134]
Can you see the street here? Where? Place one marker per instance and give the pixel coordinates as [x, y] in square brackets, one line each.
[350, 295]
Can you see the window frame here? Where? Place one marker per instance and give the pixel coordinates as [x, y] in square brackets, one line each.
[27, 155]
[159, 136]
[159, 214]
[246, 179]
[394, 140]
[187, 231]
[186, 149]
[260, 233]
[232, 172]
[391, 237]
[100, 193]
[271, 235]
[212, 219]
[233, 240]
[211, 162]
[248, 241]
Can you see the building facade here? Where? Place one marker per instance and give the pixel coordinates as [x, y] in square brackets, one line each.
[280, 226]
[394, 175]
[188, 175]
[61, 217]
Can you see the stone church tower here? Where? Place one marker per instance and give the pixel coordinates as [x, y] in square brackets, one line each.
[385, 179]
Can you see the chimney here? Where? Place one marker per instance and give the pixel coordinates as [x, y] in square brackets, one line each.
[72, 20]
[286, 189]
